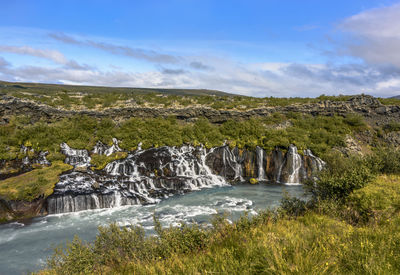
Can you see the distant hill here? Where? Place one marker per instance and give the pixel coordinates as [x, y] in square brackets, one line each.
[396, 96]
[32, 87]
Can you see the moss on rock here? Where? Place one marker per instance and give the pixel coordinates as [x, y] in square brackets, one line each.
[31, 185]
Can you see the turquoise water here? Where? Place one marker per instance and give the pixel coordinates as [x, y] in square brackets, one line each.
[25, 247]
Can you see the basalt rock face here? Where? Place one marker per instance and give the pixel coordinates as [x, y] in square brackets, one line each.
[368, 106]
[144, 177]
[276, 166]
[10, 210]
[147, 176]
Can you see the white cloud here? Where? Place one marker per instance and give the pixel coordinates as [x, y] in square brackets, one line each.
[53, 55]
[262, 79]
[374, 35]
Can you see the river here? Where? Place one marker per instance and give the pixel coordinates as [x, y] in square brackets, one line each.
[24, 247]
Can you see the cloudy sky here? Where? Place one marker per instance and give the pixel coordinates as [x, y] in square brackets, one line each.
[258, 48]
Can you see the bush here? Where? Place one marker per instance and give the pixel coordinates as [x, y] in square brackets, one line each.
[381, 196]
[385, 161]
[76, 258]
[341, 177]
[293, 206]
[120, 244]
[356, 121]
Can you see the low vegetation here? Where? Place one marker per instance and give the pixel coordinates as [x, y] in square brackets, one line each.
[33, 184]
[96, 98]
[352, 229]
[317, 133]
[100, 161]
[390, 101]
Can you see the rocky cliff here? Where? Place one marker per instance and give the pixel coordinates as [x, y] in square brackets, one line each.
[368, 106]
[147, 176]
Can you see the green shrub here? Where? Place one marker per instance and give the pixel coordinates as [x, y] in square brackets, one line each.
[355, 121]
[392, 127]
[293, 206]
[382, 195]
[319, 134]
[384, 160]
[121, 244]
[341, 177]
[76, 258]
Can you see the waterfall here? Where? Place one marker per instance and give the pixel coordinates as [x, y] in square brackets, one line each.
[289, 172]
[147, 176]
[260, 163]
[117, 199]
[144, 177]
[230, 160]
[294, 176]
[317, 162]
[279, 174]
[95, 200]
[71, 203]
[77, 158]
[102, 149]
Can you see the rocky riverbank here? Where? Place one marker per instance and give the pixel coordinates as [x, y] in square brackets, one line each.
[148, 176]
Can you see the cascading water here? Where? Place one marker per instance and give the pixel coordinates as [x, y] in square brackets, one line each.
[147, 176]
[296, 168]
[316, 162]
[102, 149]
[77, 158]
[294, 177]
[231, 163]
[144, 177]
[260, 163]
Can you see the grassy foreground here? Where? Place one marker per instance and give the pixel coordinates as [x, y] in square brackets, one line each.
[33, 184]
[326, 238]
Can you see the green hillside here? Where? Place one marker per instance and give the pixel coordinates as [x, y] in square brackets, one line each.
[54, 88]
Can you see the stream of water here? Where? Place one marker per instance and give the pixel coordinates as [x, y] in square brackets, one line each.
[25, 247]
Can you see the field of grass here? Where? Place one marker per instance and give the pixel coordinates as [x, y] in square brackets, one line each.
[33, 184]
[319, 241]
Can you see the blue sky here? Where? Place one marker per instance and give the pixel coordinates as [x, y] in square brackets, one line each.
[259, 48]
